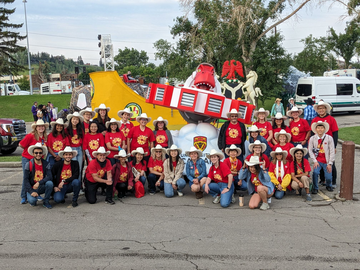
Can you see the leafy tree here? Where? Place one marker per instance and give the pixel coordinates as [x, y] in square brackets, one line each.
[9, 40]
[24, 83]
[85, 77]
[130, 57]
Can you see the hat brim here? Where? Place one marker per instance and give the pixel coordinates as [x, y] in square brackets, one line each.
[118, 156]
[289, 113]
[237, 149]
[239, 114]
[32, 147]
[294, 149]
[257, 130]
[274, 118]
[327, 106]
[164, 120]
[163, 150]
[177, 149]
[96, 110]
[256, 113]
[74, 152]
[107, 124]
[141, 117]
[121, 112]
[284, 153]
[85, 111]
[55, 123]
[187, 153]
[95, 153]
[72, 115]
[219, 154]
[134, 152]
[263, 147]
[277, 134]
[34, 125]
[252, 163]
[315, 124]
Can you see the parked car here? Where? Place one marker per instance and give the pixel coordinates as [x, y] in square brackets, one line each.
[12, 89]
[12, 131]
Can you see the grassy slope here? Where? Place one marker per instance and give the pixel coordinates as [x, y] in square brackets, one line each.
[350, 134]
[20, 106]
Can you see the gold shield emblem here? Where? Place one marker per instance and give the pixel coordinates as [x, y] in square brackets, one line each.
[200, 142]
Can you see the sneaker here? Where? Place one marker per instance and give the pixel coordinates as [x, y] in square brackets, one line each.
[217, 199]
[334, 186]
[199, 194]
[233, 200]
[329, 189]
[180, 193]
[264, 206]
[47, 205]
[23, 201]
[110, 201]
[40, 199]
[63, 201]
[82, 192]
[308, 197]
[153, 193]
[315, 191]
[269, 200]
[33, 205]
[74, 203]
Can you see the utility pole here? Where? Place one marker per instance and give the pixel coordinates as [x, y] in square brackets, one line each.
[28, 50]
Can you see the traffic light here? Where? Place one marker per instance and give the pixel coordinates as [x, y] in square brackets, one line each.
[76, 70]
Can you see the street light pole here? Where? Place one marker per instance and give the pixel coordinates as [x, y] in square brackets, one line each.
[28, 49]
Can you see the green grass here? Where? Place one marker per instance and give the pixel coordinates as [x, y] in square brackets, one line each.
[20, 106]
[10, 158]
[350, 134]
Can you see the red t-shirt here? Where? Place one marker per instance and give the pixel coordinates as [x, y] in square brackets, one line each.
[86, 127]
[115, 139]
[123, 174]
[157, 165]
[299, 169]
[161, 138]
[321, 156]
[266, 127]
[233, 134]
[219, 174]
[262, 158]
[39, 173]
[93, 142]
[330, 120]
[94, 167]
[125, 128]
[272, 168]
[65, 172]
[30, 140]
[234, 166]
[141, 138]
[139, 167]
[57, 143]
[286, 148]
[255, 181]
[75, 141]
[299, 130]
[287, 129]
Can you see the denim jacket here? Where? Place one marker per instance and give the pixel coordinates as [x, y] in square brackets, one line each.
[190, 169]
[264, 178]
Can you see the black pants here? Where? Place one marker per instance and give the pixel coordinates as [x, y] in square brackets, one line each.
[91, 189]
[121, 187]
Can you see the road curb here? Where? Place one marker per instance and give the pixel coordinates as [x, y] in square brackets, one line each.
[357, 146]
[10, 165]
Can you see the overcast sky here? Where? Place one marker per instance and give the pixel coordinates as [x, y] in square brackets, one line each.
[71, 27]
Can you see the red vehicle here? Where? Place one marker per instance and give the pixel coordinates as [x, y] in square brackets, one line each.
[126, 79]
[12, 131]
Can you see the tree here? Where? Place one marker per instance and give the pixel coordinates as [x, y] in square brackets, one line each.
[23, 83]
[130, 57]
[80, 61]
[345, 45]
[8, 41]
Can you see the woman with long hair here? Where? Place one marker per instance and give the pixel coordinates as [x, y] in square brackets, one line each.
[156, 169]
[75, 133]
[114, 139]
[161, 133]
[92, 141]
[122, 175]
[57, 141]
[196, 171]
[264, 125]
[102, 117]
[283, 138]
[125, 116]
[278, 123]
[138, 165]
[257, 148]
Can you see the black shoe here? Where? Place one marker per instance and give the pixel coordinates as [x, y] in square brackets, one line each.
[74, 203]
[329, 189]
[300, 191]
[315, 191]
[110, 201]
[63, 201]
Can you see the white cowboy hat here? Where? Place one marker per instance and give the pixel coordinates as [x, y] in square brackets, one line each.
[173, 147]
[257, 142]
[278, 150]
[101, 150]
[282, 132]
[89, 110]
[319, 123]
[279, 116]
[234, 111]
[298, 147]
[193, 149]
[36, 146]
[39, 122]
[158, 147]
[59, 121]
[213, 152]
[291, 99]
[67, 149]
[160, 119]
[121, 153]
[75, 114]
[102, 107]
[233, 147]
[126, 110]
[254, 160]
[113, 120]
[139, 150]
[262, 110]
[254, 128]
[294, 109]
[322, 103]
[143, 116]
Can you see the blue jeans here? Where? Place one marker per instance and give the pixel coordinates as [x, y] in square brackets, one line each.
[23, 163]
[217, 188]
[316, 172]
[79, 157]
[169, 190]
[74, 186]
[243, 186]
[47, 189]
[279, 194]
[142, 180]
[51, 159]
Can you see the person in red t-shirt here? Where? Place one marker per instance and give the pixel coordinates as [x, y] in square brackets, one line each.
[278, 123]
[88, 115]
[98, 174]
[141, 136]
[257, 148]
[284, 139]
[162, 134]
[265, 126]
[138, 165]
[114, 139]
[235, 166]
[300, 171]
[38, 134]
[57, 141]
[125, 115]
[300, 130]
[219, 182]
[122, 175]
[156, 168]
[93, 141]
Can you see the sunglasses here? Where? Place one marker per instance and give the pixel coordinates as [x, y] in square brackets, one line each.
[158, 151]
[278, 154]
[38, 153]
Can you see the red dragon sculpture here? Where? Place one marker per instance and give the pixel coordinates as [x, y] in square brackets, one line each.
[204, 78]
[231, 69]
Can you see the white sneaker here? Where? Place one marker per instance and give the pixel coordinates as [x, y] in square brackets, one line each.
[269, 200]
[180, 194]
[233, 200]
[217, 199]
[264, 206]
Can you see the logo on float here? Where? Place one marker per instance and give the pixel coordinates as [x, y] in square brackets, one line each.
[200, 142]
[135, 109]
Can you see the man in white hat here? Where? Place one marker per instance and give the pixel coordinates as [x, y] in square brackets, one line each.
[65, 174]
[37, 176]
[232, 132]
[98, 174]
[323, 110]
[88, 115]
[300, 129]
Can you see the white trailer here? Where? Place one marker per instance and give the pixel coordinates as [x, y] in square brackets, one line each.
[58, 87]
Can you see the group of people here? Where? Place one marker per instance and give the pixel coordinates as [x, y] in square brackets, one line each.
[121, 158]
[43, 112]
